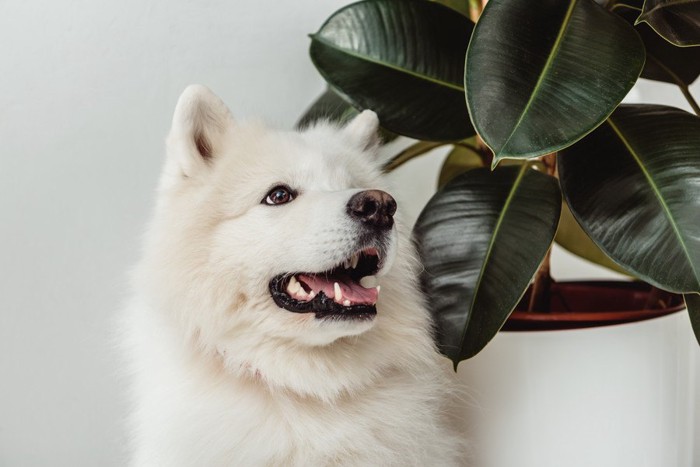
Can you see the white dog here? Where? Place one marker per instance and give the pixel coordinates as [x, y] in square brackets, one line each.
[277, 319]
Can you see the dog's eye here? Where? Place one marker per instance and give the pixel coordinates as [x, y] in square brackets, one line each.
[279, 195]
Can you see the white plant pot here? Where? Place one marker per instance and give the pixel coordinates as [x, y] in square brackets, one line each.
[616, 396]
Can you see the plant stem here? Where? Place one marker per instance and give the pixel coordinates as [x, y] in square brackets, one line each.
[679, 82]
[689, 98]
[468, 146]
[483, 150]
[413, 151]
[540, 296]
[422, 147]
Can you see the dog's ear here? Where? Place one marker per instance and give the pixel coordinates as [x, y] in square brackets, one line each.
[364, 130]
[200, 126]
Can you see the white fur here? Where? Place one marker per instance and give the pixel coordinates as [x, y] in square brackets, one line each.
[222, 375]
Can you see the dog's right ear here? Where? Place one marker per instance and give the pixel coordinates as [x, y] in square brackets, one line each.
[200, 126]
[364, 130]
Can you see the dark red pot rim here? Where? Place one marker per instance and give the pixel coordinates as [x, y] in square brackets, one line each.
[584, 304]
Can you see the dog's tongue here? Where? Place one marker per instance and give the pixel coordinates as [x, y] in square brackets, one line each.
[349, 289]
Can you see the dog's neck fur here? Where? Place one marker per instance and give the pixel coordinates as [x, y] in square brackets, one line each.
[344, 367]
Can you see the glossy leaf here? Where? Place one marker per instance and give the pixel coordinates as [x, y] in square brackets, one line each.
[329, 106]
[677, 21]
[574, 239]
[692, 302]
[634, 186]
[541, 75]
[481, 239]
[665, 62]
[404, 59]
[461, 159]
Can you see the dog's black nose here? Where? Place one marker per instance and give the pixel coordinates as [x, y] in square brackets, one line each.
[374, 208]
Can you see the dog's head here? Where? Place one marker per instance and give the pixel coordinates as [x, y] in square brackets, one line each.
[266, 236]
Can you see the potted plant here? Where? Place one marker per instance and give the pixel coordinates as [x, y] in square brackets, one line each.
[528, 97]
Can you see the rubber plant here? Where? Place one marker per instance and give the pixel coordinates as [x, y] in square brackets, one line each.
[529, 99]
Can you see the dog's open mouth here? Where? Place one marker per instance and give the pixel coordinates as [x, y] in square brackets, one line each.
[346, 291]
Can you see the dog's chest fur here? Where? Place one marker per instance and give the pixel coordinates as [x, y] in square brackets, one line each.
[193, 412]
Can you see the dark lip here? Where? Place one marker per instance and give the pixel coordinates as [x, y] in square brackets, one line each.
[322, 306]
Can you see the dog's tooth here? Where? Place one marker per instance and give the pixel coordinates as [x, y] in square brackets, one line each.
[354, 260]
[293, 285]
[346, 264]
[336, 290]
[368, 282]
[346, 303]
[379, 287]
[312, 294]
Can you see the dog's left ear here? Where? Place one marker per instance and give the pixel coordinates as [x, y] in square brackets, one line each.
[364, 130]
[201, 124]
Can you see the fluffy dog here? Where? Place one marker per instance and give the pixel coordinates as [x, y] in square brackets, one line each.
[276, 317]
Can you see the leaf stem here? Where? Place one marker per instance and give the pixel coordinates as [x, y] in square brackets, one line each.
[468, 146]
[411, 152]
[484, 151]
[679, 82]
[422, 147]
[689, 97]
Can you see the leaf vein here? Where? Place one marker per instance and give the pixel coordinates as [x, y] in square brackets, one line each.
[545, 69]
[389, 65]
[657, 193]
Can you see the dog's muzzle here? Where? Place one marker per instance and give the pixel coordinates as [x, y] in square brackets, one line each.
[348, 290]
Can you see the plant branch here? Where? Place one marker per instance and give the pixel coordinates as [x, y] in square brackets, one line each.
[411, 152]
[483, 150]
[422, 147]
[689, 97]
[679, 82]
[468, 146]
[541, 294]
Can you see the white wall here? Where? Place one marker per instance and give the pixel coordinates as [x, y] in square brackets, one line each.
[87, 89]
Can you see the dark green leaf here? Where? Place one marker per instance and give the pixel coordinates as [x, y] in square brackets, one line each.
[404, 59]
[481, 239]
[665, 62]
[542, 74]
[634, 186]
[329, 106]
[573, 238]
[677, 21]
[692, 302]
[461, 159]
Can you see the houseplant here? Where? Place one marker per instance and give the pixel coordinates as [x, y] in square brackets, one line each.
[529, 98]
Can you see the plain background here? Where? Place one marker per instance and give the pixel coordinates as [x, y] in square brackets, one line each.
[87, 90]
